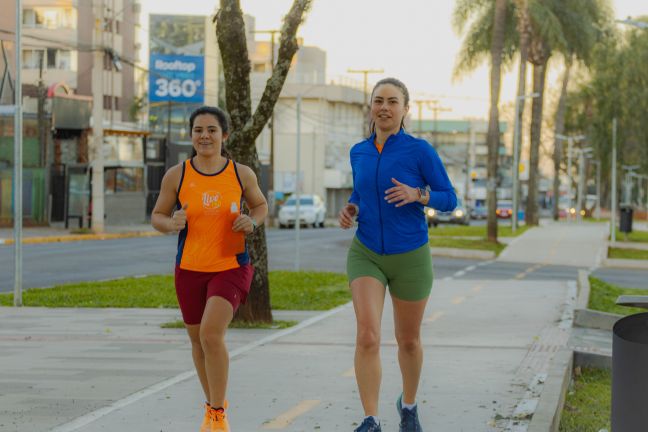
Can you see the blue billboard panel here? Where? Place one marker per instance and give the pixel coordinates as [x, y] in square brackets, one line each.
[176, 78]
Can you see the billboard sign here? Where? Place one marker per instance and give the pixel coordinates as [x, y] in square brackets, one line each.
[176, 78]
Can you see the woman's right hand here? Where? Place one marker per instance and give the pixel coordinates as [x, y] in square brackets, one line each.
[179, 219]
[347, 216]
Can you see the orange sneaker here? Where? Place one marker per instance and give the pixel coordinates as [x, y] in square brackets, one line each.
[205, 426]
[218, 420]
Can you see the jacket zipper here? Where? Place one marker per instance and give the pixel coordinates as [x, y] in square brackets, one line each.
[382, 232]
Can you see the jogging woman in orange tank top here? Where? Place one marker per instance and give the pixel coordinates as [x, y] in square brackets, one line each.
[201, 199]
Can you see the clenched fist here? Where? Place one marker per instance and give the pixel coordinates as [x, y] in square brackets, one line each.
[179, 219]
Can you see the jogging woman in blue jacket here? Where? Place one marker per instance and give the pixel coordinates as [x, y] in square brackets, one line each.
[394, 176]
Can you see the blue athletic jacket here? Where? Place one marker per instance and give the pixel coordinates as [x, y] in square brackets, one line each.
[383, 227]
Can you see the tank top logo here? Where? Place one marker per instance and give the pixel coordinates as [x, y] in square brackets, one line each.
[211, 200]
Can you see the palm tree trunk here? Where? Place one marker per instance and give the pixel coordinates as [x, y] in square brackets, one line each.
[493, 139]
[559, 129]
[539, 76]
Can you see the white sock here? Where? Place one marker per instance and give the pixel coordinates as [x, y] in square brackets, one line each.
[375, 419]
[408, 406]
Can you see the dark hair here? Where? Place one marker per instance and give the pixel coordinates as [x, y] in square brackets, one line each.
[223, 121]
[398, 84]
[219, 114]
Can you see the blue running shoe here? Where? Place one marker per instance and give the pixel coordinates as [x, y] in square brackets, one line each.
[368, 425]
[409, 418]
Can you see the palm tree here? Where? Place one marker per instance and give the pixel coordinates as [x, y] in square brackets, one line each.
[571, 27]
[491, 20]
[565, 26]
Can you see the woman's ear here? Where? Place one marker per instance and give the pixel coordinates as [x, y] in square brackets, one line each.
[225, 136]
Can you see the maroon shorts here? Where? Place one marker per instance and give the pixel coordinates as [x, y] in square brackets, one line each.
[194, 288]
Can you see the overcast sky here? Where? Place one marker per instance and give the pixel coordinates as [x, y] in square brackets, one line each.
[412, 40]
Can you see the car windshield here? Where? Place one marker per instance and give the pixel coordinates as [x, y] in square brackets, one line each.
[302, 201]
[505, 205]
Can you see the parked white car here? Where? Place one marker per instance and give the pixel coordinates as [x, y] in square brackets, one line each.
[312, 211]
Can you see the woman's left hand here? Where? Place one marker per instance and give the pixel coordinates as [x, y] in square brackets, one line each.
[401, 194]
[243, 223]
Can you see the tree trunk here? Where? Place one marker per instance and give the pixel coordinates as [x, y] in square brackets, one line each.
[539, 75]
[230, 32]
[559, 130]
[493, 138]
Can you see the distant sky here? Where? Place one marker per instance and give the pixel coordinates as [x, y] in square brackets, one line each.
[412, 40]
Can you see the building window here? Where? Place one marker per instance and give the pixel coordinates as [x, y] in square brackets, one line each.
[59, 59]
[31, 58]
[118, 180]
[50, 18]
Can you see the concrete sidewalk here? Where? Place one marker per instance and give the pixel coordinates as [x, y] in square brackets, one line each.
[106, 370]
[489, 347]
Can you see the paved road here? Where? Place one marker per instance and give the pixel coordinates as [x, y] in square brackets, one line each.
[48, 264]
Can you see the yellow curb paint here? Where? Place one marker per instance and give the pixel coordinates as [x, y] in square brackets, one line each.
[520, 275]
[477, 288]
[435, 316]
[289, 416]
[349, 373]
[82, 237]
[458, 300]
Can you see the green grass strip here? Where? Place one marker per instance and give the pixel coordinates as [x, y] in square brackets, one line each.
[603, 296]
[474, 231]
[460, 243]
[308, 290]
[634, 236]
[275, 325]
[288, 291]
[637, 254]
[588, 403]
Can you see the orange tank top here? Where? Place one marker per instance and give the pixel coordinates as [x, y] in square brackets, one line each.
[208, 244]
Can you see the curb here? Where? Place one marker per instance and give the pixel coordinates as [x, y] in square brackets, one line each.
[549, 410]
[625, 263]
[82, 237]
[589, 318]
[462, 253]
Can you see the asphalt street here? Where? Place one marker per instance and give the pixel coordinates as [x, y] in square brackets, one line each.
[48, 264]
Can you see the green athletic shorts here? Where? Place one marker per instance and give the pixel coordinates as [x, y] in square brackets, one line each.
[408, 275]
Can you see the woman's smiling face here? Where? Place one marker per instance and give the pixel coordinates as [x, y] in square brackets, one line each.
[388, 108]
[207, 135]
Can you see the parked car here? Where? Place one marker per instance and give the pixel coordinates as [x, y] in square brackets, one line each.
[504, 209]
[457, 216]
[479, 212]
[312, 211]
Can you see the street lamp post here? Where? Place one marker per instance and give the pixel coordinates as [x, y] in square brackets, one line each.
[18, 163]
[581, 182]
[516, 157]
[614, 183]
[570, 140]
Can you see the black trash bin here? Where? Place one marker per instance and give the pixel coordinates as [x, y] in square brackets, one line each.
[625, 222]
[630, 374]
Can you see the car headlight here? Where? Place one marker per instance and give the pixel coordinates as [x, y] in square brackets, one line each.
[572, 210]
[458, 213]
[431, 212]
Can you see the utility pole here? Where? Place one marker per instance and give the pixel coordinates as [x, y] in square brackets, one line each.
[270, 195]
[365, 108]
[297, 188]
[97, 162]
[18, 162]
[614, 183]
[436, 108]
[517, 149]
[419, 104]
